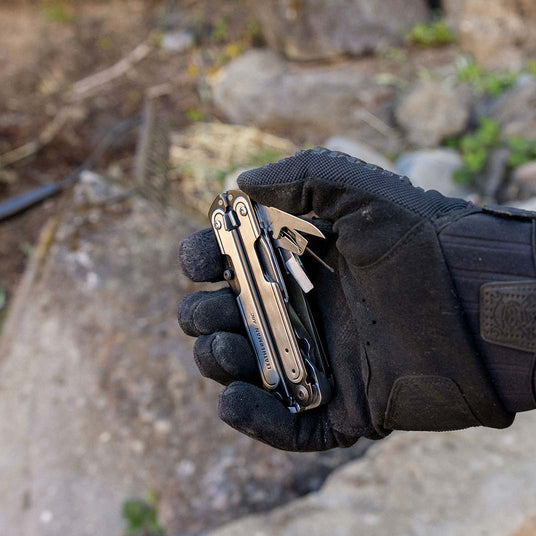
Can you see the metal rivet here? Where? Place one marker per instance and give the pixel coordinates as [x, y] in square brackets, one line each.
[302, 393]
[228, 275]
[243, 211]
[220, 202]
[217, 224]
[230, 197]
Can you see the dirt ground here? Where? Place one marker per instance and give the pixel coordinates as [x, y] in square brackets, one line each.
[46, 47]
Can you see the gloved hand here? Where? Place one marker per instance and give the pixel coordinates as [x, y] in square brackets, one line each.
[401, 352]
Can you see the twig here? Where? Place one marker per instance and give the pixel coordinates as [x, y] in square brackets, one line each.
[376, 123]
[44, 138]
[83, 87]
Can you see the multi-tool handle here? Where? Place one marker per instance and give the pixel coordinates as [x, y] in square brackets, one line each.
[245, 236]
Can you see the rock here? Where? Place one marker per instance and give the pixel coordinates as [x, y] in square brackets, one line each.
[492, 178]
[500, 34]
[515, 110]
[432, 170]
[94, 189]
[177, 41]
[230, 182]
[202, 155]
[480, 482]
[100, 399]
[432, 111]
[272, 93]
[523, 182]
[529, 204]
[315, 29]
[359, 150]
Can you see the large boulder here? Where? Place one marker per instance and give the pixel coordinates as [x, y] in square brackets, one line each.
[433, 110]
[263, 89]
[516, 109]
[480, 482]
[499, 33]
[314, 29]
[359, 150]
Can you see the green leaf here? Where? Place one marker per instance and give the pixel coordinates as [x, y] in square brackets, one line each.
[486, 82]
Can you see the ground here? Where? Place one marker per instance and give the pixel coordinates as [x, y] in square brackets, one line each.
[46, 47]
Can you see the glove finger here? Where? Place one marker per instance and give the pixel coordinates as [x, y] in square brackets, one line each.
[205, 312]
[225, 357]
[200, 257]
[261, 416]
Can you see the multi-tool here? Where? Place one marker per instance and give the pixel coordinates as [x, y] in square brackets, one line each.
[262, 248]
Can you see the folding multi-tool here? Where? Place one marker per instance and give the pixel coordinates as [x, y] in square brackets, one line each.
[262, 248]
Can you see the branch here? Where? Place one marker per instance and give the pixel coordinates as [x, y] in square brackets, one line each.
[44, 138]
[84, 86]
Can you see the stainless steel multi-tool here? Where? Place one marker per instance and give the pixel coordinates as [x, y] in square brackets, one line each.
[262, 248]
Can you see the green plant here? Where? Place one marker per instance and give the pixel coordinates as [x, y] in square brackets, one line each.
[141, 517]
[431, 34]
[253, 33]
[522, 151]
[194, 114]
[488, 82]
[475, 149]
[58, 11]
[220, 31]
[531, 67]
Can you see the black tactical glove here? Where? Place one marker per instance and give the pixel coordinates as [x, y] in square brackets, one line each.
[402, 353]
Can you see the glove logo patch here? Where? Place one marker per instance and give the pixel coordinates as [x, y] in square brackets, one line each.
[508, 314]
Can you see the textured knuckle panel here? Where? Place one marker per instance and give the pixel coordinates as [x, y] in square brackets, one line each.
[341, 168]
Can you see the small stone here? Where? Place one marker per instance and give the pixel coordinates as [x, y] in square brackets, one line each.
[162, 426]
[137, 446]
[432, 170]
[94, 189]
[105, 437]
[230, 180]
[185, 469]
[432, 111]
[46, 517]
[177, 41]
[359, 150]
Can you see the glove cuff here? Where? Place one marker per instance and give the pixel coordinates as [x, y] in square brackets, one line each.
[491, 258]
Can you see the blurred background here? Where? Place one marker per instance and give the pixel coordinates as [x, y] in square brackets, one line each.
[130, 116]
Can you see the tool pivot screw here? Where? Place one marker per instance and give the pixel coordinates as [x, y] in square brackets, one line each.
[228, 275]
[302, 394]
[243, 211]
[217, 224]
